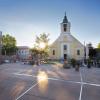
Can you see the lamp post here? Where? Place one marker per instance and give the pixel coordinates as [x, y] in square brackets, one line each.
[84, 53]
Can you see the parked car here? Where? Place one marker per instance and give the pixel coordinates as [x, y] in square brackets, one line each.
[6, 61]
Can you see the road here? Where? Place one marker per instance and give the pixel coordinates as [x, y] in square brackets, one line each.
[48, 82]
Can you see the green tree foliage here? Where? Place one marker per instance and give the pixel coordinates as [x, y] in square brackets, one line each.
[98, 45]
[92, 53]
[42, 38]
[9, 45]
[73, 62]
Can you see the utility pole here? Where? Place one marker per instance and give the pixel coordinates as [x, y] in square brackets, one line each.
[84, 53]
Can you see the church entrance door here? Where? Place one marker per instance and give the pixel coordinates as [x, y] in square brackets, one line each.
[65, 56]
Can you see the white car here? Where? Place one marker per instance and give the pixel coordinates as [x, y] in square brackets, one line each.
[6, 61]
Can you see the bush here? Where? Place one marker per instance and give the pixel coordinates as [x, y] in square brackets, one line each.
[89, 63]
[73, 62]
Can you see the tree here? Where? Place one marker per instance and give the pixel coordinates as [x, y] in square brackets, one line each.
[98, 45]
[92, 53]
[42, 44]
[43, 38]
[9, 45]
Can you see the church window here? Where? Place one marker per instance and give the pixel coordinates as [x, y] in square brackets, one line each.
[64, 29]
[64, 26]
[78, 52]
[53, 52]
[65, 47]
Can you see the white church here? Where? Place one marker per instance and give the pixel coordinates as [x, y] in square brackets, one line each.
[66, 46]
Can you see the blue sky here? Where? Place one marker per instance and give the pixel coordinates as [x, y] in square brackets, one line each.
[24, 19]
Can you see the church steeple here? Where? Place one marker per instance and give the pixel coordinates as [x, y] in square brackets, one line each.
[65, 20]
[65, 25]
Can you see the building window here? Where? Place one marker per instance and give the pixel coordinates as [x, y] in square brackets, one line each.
[65, 56]
[65, 47]
[53, 52]
[78, 52]
[65, 26]
[64, 29]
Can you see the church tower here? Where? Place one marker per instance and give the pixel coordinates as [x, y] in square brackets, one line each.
[65, 26]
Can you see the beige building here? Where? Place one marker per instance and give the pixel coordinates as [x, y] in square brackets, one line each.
[66, 46]
[23, 52]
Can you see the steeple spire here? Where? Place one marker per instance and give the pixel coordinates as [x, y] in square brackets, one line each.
[65, 13]
[65, 20]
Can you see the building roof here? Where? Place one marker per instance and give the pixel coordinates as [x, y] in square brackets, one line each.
[65, 20]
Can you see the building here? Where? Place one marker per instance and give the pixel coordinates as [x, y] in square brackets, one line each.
[23, 52]
[0, 46]
[66, 46]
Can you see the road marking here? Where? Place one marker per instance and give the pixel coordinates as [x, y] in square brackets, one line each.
[26, 91]
[58, 79]
[21, 71]
[22, 74]
[81, 86]
[81, 92]
[91, 84]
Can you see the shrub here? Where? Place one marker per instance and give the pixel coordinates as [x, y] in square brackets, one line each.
[73, 62]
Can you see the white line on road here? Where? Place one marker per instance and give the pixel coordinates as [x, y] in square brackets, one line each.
[26, 91]
[58, 79]
[91, 84]
[81, 86]
[81, 92]
[41, 77]
[22, 74]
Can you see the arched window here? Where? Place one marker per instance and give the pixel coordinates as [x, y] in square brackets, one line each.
[78, 52]
[65, 47]
[53, 52]
[65, 27]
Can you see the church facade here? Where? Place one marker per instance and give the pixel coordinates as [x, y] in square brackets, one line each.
[66, 46]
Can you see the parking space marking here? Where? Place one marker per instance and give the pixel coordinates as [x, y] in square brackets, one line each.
[41, 77]
[81, 92]
[58, 79]
[22, 74]
[81, 86]
[21, 71]
[91, 84]
[26, 91]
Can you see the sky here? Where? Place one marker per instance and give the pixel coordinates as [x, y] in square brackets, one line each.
[24, 19]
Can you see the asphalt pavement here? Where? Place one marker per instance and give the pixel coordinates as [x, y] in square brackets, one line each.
[48, 82]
